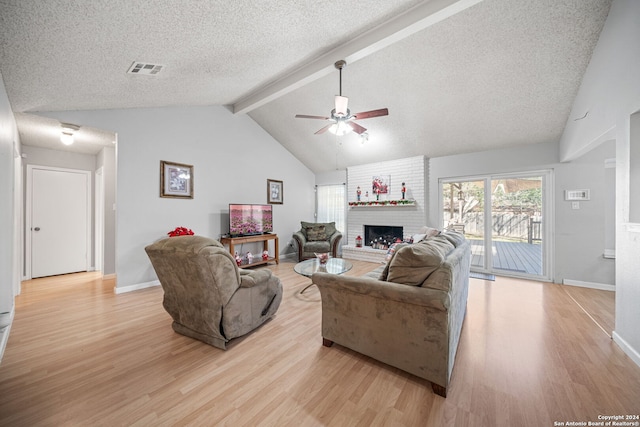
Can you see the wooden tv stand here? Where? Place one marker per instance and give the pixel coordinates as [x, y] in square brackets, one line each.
[257, 259]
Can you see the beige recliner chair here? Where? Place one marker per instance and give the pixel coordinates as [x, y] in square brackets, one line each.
[206, 294]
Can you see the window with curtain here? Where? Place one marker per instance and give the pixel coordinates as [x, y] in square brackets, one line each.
[331, 205]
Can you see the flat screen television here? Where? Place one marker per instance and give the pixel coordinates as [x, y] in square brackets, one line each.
[249, 220]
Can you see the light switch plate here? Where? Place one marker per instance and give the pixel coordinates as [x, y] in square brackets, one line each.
[575, 205]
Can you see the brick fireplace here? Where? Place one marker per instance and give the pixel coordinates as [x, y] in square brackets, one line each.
[381, 236]
[413, 172]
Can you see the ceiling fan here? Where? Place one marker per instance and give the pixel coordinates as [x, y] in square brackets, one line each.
[342, 121]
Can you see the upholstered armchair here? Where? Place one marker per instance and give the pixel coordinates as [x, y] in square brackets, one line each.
[317, 237]
[207, 295]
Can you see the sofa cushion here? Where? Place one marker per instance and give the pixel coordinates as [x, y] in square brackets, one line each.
[329, 228]
[320, 246]
[390, 254]
[412, 264]
[454, 237]
[316, 233]
[429, 231]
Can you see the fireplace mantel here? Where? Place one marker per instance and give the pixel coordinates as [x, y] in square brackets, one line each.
[383, 203]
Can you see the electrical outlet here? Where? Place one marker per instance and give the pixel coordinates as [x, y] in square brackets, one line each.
[575, 205]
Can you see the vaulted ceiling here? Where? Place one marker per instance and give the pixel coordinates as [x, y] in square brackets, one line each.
[456, 76]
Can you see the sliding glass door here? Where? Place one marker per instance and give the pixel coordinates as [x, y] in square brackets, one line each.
[463, 211]
[503, 216]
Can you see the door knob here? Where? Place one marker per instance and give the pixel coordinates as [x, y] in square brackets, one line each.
[37, 229]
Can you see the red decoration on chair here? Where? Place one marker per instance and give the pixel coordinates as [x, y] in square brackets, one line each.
[181, 231]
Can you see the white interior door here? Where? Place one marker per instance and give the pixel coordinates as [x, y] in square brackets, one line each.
[59, 225]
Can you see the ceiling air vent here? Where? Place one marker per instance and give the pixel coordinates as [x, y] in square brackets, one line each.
[144, 69]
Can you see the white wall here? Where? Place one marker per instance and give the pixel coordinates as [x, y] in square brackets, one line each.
[232, 157]
[333, 177]
[107, 160]
[610, 91]
[579, 235]
[57, 158]
[9, 211]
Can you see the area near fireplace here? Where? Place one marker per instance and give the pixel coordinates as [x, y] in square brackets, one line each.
[382, 236]
[410, 218]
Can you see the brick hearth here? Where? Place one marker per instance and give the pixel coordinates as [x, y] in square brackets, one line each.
[365, 253]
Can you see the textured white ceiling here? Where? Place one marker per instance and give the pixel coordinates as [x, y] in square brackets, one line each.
[500, 73]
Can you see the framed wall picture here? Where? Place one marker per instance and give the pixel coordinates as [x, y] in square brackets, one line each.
[274, 192]
[380, 184]
[176, 180]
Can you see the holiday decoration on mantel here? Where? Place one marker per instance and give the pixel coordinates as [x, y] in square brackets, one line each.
[402, 202]
[180, 231]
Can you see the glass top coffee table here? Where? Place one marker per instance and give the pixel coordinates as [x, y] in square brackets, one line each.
[333, 266]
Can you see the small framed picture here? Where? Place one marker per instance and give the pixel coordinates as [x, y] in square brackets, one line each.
[274, 192]
[176, 180]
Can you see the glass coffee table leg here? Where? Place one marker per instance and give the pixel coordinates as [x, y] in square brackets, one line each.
[307, 287]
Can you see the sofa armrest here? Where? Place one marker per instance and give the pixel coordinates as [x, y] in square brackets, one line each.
[251, 278]
[300, 237]
[405, 294]
[335, 238]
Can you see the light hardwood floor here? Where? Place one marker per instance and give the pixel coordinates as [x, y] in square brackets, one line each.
[80, 355]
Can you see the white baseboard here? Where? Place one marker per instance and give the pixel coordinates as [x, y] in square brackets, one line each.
[4, 333]
[592, 285]
[629, 351]
[130, 288]
[108, 276]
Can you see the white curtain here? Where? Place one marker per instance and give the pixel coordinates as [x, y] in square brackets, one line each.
[331, 205]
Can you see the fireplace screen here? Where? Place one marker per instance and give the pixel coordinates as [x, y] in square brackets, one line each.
[381, 236]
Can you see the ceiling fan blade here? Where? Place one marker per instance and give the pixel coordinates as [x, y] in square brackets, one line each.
[341, 106]
[324, 129]
[304, 116]
[357, 128]
[372, 113]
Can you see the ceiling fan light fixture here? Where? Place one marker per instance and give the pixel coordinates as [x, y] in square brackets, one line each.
[342, 120]
[340, 128]
[66, 138]
[68, 129]
[341, 106]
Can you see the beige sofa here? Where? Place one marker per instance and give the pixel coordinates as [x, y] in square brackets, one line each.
[407, 314]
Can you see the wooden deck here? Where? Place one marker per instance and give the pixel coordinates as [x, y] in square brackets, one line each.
[509, 256]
